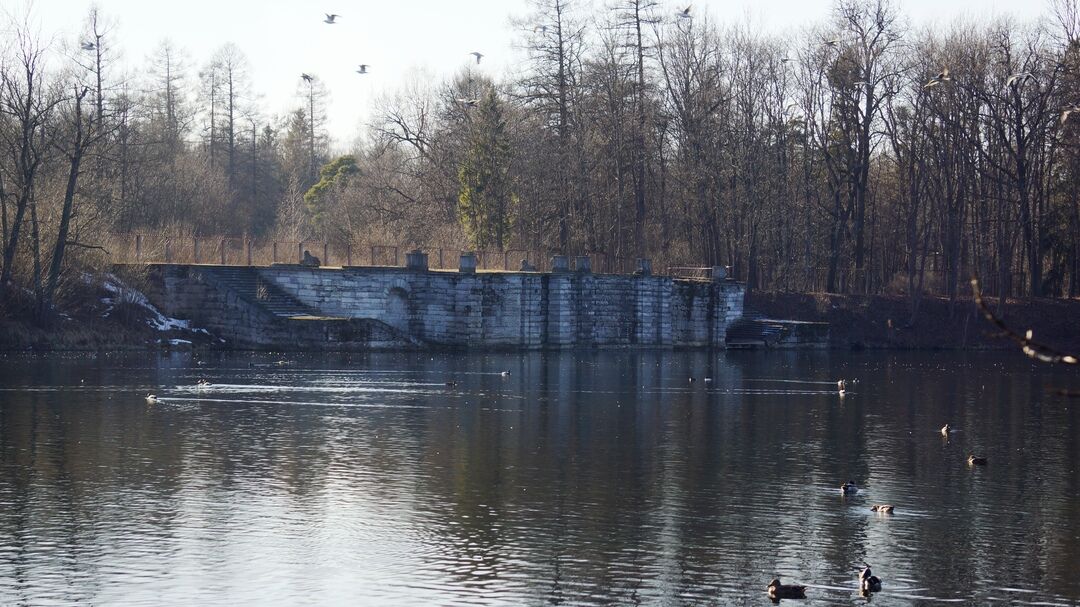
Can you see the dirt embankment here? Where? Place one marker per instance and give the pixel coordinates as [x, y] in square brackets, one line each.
[103, 314]
[886, 321]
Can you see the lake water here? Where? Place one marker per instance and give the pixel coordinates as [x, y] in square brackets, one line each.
[596, 478]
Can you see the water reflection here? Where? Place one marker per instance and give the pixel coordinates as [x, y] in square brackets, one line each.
[593, 478]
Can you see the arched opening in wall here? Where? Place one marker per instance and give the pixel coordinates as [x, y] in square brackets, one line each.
[397, 309]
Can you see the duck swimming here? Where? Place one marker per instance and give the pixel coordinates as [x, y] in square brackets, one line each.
[945, 430]
[785, 591]
[868, 582]
[849, 488]
[974, 460]
[882, 508]
[150, 398]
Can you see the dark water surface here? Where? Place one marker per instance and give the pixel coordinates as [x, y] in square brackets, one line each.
[599, 478]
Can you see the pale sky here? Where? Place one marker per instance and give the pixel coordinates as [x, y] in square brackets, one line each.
[283, 38]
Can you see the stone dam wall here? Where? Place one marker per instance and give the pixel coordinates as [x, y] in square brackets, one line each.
[292, 306]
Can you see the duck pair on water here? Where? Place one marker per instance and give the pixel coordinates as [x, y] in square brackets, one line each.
[868, 582]
[972, 460]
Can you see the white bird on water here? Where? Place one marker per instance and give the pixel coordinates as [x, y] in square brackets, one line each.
[331, 18]
[478, 56]
[151, 399]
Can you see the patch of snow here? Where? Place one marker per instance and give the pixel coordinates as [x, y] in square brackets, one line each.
[179, 342]
[156, 320]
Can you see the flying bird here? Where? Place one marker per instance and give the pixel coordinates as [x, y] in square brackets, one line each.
[331, 18]
[833, 42]
[468, 102]
[936, 80]
[785, 59]
[362, 68]
[684, 13]
[306, 77]
[1069, 110]
[478, 56]
[88, 46]
[1019, 78]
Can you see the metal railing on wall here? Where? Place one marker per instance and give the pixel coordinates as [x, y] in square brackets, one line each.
[241, 251]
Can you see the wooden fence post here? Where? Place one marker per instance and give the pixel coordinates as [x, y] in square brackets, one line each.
[195, 252]
[274, 254]
[348, 254]
[138, 247]
[325, 254]
[247, 245]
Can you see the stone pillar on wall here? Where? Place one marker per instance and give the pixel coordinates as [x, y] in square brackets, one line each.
[417, 260]
[644, 267]
[467, 265]
[560, 263]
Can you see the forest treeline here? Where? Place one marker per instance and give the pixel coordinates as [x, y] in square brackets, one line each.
[863, 154]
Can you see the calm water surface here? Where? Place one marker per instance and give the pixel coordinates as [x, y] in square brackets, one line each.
[600, 478]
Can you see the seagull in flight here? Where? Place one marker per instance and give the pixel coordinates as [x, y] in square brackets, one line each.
[942, 77]
[469, 102]
[1019, 77]
[478, 56]
[306, 77]
[331, 18]
[684, 13]
[88, 46]
[362, 68]
[833, 42]
[1066, 112]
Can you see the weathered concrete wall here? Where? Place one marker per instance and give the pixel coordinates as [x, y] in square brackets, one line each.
[512, 309]
[190, 292]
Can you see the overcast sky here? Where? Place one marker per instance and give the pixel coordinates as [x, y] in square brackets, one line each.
[283, 38]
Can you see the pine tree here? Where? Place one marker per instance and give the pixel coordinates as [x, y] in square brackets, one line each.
[486, 199]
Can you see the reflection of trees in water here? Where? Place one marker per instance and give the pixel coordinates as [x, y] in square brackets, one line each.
[602, 473]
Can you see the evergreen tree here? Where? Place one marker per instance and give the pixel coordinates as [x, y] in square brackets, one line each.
[486, 199]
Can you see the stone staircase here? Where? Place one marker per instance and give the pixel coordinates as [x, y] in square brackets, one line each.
[251, 287]
[753, 330]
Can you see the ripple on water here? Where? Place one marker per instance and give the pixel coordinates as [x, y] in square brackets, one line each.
[599, 483]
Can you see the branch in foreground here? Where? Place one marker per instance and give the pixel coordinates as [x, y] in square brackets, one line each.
[1030, 347]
